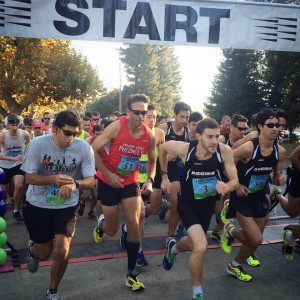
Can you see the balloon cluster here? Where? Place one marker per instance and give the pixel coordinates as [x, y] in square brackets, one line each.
[3, 209]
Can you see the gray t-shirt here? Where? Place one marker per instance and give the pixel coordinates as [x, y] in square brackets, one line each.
[44, 157]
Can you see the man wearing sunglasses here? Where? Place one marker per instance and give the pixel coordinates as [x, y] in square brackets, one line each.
[258, 161]
[118, 172]
[47, 126]
[13, 142]
[56, 166]
[238, 127]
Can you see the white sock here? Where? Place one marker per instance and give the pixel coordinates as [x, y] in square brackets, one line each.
[125, 227]
[174, 249]
[235, 264]
[197, 290]
[291, 239]
[230, 231]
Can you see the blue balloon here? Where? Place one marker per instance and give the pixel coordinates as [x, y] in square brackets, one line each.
[2, 194]
[3, 208]
[2, 176]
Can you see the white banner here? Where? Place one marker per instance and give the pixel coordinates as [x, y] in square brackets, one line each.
[224, 24]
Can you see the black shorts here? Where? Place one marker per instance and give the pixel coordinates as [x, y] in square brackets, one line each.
[10, 173]
[173, 175]
[110, 196]
[255, 206]
[192, 213]
[44, 223]
[293, 180]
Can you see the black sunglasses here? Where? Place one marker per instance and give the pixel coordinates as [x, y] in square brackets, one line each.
[46, 118]
[96, 119]
[242, 128]
[139, 112]
[13, 122]
[272, 125]
[68, 132]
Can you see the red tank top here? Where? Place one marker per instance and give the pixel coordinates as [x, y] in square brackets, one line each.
[124, 154]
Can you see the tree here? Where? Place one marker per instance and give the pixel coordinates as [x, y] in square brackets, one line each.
[237, 87]
[155, 71]
[41, 73]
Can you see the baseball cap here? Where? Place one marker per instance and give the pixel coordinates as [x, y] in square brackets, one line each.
[37, 124]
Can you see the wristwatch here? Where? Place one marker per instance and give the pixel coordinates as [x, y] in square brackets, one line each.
[76, 183]
[162, 173]
[151, 179]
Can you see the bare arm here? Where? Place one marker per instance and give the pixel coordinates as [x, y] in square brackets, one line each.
[222, 139]
[278, 178]
[294, 158]
[245, 139]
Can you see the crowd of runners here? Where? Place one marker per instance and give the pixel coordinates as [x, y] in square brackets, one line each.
[186, 169]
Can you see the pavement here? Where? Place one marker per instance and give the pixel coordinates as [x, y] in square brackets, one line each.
[97, 271]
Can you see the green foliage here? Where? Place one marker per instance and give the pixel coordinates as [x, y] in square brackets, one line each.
[37, 74]
[236, 89]
[155, 71]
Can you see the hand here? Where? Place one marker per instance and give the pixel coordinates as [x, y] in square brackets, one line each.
[281, 179]
[147, 188]
[221, 187]
[165, 184]
[62, 179]
[66, 191]
[18, 158]
[115, 181]
[242, 191]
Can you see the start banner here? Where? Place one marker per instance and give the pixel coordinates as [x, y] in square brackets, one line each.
[224, 24]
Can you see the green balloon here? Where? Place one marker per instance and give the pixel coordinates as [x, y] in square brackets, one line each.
[2, 225]
[3, 257]
[3, 239]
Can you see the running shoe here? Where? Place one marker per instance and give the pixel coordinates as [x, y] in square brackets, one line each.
[98, 233]
[133, 282]
[216, 234]
[252, 261]
[80, 209]
[169, 258]
[123, 238]
[17, 216]
[226, 239]
[198, 297]
[181, 231]
[287, 249]
[91, 215]
[238, 272]
[223, 214]
[50, 296]
[141, 260]
[32, 263]
[163, 211]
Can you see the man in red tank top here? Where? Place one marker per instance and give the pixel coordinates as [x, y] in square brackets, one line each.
[125, 140]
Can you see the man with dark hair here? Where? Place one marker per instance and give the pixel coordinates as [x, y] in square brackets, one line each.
[27, 123]
[118, 173]
[96, 117]
[194, 119]
[256, 160]
[56, 166]
[177, 131]
[204, 160]
[86, 124]
[12, 143]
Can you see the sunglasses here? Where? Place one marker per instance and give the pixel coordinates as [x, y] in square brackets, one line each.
[96, 119]
[242, 128]
[139, 112]
[13, 122]
[68, 132]
[272, 125]
[46, 118]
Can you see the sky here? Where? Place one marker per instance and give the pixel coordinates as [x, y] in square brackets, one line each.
[198, 66]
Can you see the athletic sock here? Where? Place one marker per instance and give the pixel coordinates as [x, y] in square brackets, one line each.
[132, 252]
[174, 250]
[52, 291]
[197, 290]
[235, 264]
[230, 231]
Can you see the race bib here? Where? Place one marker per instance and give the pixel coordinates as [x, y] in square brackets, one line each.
[127, 165]
[14, 152]
[52, 195]
[257, 182]
[143, 164]
[204, 187]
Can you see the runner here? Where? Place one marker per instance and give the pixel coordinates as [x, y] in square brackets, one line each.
[225, 125]
[118, 177]
[204, 161]
[54, 165]
[13, 142]
[47, 125]
[255, 160]
[292, 205]
[150, 120]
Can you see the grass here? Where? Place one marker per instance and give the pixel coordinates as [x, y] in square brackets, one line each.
[289, 147]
